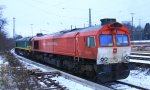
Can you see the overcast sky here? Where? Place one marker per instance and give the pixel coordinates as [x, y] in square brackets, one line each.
[48, 16]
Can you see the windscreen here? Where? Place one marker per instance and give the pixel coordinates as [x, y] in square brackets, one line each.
[106, 40]
[122, 40]
[119, 40]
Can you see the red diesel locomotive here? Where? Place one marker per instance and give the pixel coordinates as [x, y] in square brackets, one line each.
[100, 52]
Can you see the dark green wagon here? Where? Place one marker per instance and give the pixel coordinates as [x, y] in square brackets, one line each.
[24, 43]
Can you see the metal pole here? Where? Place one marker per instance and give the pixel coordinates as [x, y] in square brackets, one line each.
[32, 28]
[139, 22]
[14, 27]
[71, 27]
[90, 17]
[132, 26]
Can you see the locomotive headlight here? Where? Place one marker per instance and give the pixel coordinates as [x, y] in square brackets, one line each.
[104, 60]
[126, 58]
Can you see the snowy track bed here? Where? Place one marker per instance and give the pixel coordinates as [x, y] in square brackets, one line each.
[137, 80]
[131, 86]
[140, 57]
[66, 80]
[138, 77]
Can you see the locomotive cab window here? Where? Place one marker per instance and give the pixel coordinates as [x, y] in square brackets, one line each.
[36, 44]
[90, 41]
[122, 40]
[106, 40]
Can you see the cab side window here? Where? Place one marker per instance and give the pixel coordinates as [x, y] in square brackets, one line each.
[36, 44]
[90, 41]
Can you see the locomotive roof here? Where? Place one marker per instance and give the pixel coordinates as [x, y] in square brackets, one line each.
[97, 27]
[86, 29]
[25, 39]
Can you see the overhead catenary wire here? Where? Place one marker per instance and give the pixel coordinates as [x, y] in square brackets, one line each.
[59, 14]
[45, 11]
[59, 17]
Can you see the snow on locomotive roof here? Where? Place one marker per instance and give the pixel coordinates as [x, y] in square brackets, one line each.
[86, 29]
[71, 31]
[141, 41]
[75, 30]
[24, 39]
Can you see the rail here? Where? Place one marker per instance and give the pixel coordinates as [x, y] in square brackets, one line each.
[131, 85]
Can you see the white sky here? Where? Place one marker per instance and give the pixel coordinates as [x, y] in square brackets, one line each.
[48, 16]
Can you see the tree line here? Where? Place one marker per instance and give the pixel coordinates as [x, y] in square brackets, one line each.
[5, 42]
[138, 32]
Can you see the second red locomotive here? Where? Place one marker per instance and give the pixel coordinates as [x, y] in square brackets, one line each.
[101, 51]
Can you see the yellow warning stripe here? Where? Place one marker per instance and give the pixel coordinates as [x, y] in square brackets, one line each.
[29, 49]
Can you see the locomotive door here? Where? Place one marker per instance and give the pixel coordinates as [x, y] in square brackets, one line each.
[77, 45]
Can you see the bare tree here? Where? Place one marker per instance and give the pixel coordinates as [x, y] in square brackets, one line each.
[3, 21]
[6, 43]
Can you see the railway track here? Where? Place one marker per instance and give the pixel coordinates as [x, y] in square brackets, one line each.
[123, 85]
[45, 77]
[131, 85]
[140, 56]
[140, 59]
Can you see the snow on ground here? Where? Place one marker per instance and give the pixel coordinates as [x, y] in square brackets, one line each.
[28, 63]
[139, 77]
[1, 60]
[140, 61]
[136, 77]
[122, 87]
[70, 84]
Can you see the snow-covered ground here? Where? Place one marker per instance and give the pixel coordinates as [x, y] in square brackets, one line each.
[139, 78]
[1, 60]
[136, 77]
[140, 61]
[70, 84]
